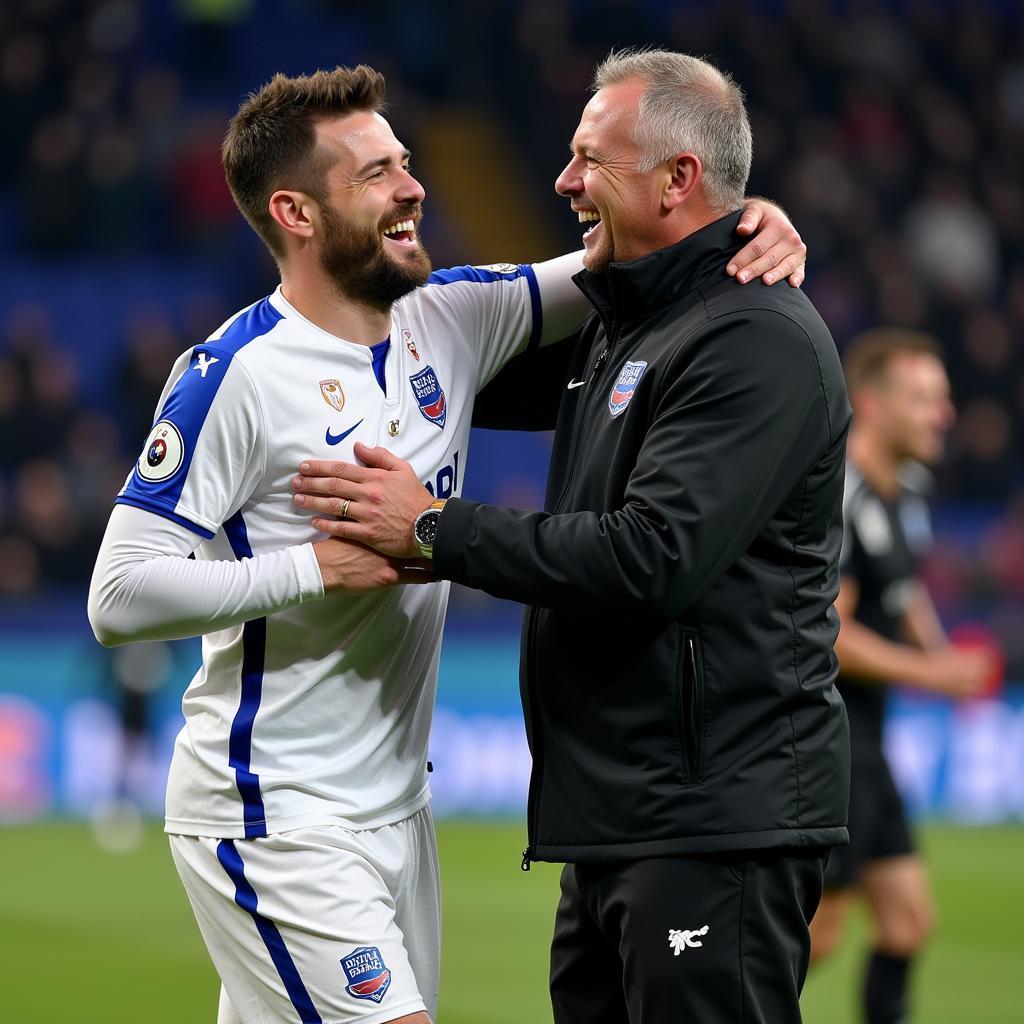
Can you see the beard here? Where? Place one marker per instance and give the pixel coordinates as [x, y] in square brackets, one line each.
[356, 260]
[597, 259]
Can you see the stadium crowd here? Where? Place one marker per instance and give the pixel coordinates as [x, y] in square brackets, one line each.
[893, 135]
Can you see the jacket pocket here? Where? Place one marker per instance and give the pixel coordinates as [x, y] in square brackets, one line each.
[690, 707]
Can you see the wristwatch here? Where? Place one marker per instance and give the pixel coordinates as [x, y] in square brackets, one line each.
[424, 529]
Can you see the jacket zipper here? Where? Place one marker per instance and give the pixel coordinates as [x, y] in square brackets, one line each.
[532, 799]
[578, 440]
[692, 705]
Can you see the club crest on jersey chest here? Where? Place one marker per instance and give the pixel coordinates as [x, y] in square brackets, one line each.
[332, 393]
[430, 396]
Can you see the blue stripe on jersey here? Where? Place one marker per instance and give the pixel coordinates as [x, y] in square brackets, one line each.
[380, 355]
[536, 308]
[149, 506]
[482, 276]
[479, 274]
[245, 897]
[189, 404]
[254, 646]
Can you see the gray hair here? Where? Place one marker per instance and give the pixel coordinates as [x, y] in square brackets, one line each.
[688, 106]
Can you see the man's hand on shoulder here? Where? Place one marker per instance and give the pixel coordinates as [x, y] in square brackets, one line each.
[775, 252]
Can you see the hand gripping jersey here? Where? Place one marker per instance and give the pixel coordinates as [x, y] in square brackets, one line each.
[320, 713]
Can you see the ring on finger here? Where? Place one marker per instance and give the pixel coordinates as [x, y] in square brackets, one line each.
[344, 508]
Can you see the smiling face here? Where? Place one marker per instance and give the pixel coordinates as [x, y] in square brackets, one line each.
[369, 240]
[602, 182]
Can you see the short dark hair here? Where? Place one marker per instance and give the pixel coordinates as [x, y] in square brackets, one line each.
[868, 356]
[271, 142]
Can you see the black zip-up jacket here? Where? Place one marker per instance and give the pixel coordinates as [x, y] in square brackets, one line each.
[677, 664]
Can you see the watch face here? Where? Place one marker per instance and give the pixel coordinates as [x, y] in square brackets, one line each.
[426, 526]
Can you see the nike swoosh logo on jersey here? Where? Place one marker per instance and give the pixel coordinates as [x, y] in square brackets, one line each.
[575, 384]
[338, 438]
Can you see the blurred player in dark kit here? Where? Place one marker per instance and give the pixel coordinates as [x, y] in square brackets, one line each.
[890, 632]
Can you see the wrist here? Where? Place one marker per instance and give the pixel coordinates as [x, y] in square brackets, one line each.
[425, 527]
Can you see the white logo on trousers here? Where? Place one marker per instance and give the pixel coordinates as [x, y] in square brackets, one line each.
[680, 938]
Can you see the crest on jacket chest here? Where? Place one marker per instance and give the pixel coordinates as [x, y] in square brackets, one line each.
[624, 386]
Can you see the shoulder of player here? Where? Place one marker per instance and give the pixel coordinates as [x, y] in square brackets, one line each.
[240, 340]
[856, 490]
[917, 480]
[483, 283]
[483, 274]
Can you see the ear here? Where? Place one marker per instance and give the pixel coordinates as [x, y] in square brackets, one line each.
[295, 212]
[684, 172]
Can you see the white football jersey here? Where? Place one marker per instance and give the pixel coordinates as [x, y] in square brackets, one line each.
[321, 712]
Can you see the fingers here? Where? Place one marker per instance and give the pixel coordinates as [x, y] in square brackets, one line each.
[321, 469]
[792, 266]
[339, 500]
[771, 261]
[378, 458]
[749, 220]
[345, 529]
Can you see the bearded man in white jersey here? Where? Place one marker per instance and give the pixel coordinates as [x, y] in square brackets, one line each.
[297, 804]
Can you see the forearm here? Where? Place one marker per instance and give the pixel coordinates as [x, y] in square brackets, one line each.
[871, 657]
[643, 557]
[145, 587]
[564, 306]
[921, 622]
[612, 560]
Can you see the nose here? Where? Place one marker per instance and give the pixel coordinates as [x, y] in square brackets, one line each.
[409, 190]
[570, 182]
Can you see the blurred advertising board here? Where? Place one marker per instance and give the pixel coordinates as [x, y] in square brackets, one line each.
[64, 751]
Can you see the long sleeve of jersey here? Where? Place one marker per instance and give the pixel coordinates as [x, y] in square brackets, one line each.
[146, 587]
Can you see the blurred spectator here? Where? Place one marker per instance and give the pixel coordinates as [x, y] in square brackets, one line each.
[151, 345]
[43, 512]
[953, 241]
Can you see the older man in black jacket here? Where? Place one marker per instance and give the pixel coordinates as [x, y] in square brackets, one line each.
[690, 749]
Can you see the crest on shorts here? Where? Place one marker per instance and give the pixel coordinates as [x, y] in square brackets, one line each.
[333, 395]
[368, 975]
[622, 392]
[430, 396]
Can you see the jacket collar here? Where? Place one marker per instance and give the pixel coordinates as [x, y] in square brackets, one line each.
[630, 290]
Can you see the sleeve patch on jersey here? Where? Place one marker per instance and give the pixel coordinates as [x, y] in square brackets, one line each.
[368, 976]
[499, 268]
[164, 453]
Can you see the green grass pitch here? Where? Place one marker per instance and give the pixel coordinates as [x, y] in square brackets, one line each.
[88, 937]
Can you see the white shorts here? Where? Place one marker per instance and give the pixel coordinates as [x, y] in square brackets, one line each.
[320, 924]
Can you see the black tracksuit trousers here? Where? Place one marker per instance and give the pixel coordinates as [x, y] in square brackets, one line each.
[685, 940]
